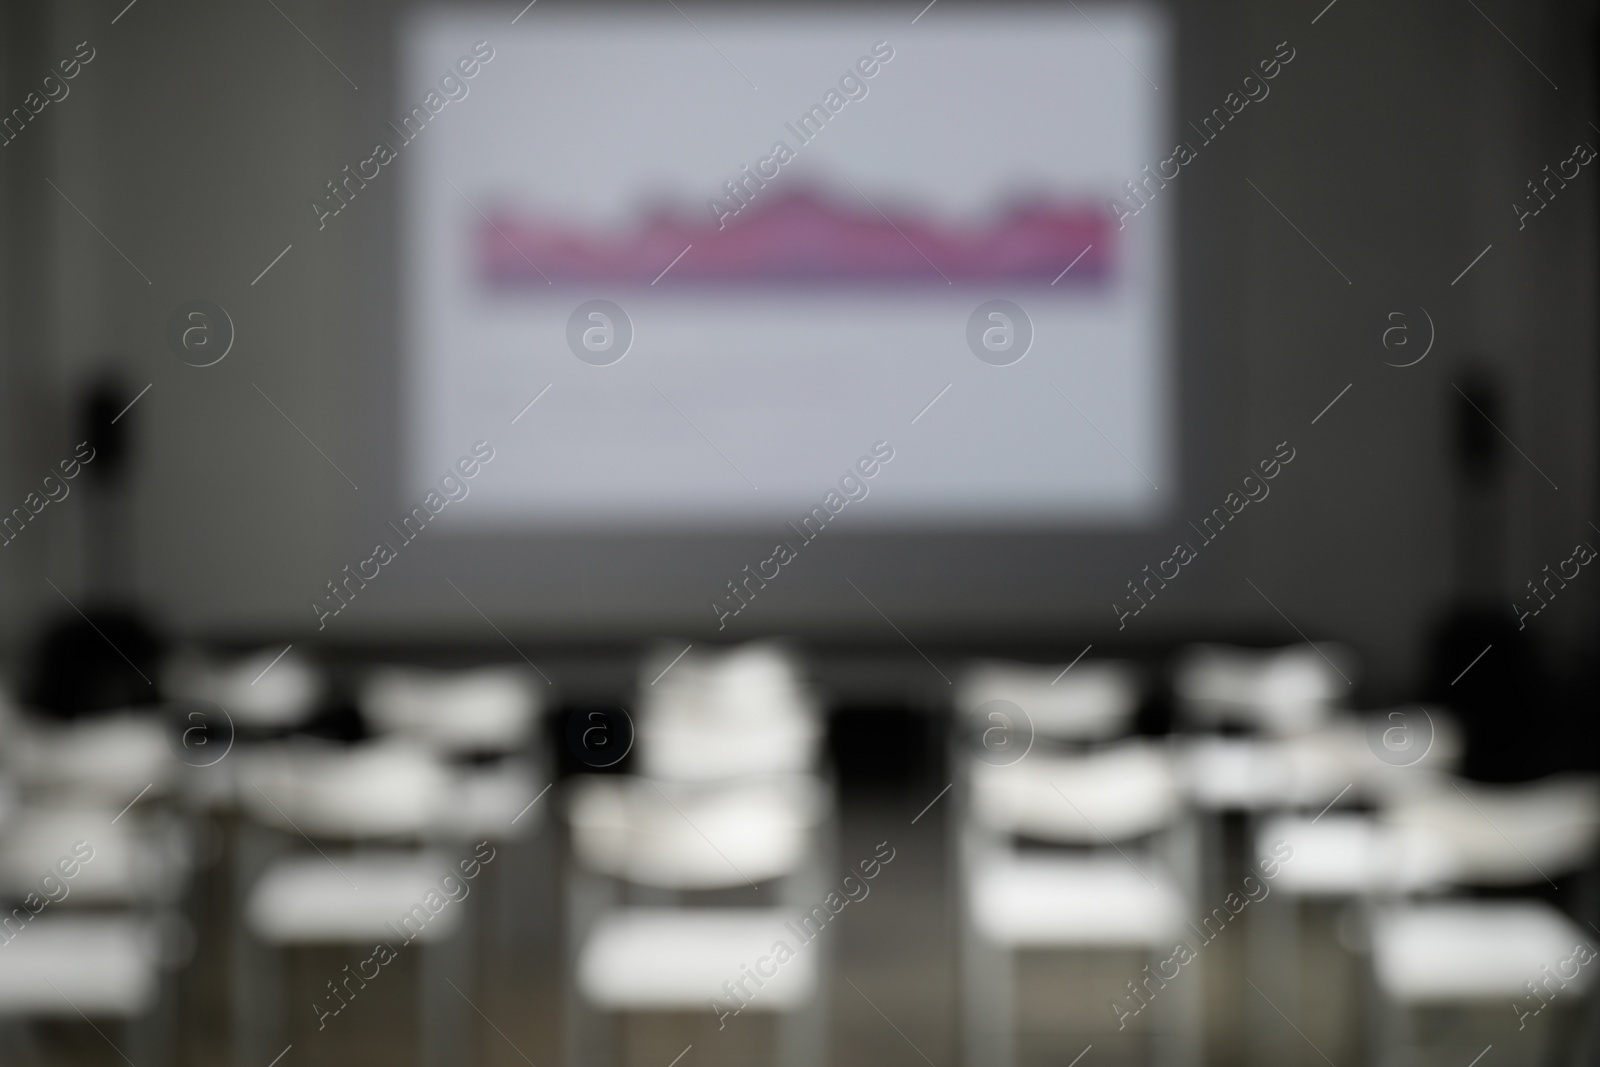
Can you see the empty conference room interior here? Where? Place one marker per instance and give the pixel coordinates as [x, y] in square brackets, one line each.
[692, 533]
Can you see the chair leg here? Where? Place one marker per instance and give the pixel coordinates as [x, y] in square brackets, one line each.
[151, 1036]
[1393, 1040]
[1272, 961]
[258, 974]
[1586, 1036]
[988, 997]
[443, 987]
[590, 1033]
[1181, 1041]
[258, 969]
[587, 1032]
[803, 1034]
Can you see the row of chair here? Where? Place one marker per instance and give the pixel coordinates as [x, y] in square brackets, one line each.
[686, 871]
[1071, 836]
[330, 844]
[1090, 838]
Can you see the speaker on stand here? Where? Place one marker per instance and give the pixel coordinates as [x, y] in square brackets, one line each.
[101, 653]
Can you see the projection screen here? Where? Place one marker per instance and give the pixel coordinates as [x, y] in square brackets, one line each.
[682, 269]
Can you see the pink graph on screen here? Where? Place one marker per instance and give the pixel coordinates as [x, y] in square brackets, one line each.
[803, 238]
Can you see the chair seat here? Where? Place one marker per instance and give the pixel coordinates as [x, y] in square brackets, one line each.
[1456, 951]
[1092, 902]
[101, 966]
[307, 900]
[677, 959]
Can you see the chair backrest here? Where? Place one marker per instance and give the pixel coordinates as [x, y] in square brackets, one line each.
[1409, 749]
[377, 789]
[682, 836]
[107, 758]
[725, 715]
[752, 681]
[1505, 835]
[1346, 854]
[486, 709]
[1278, 691]
[1093, 701]
[1122, 792]
[269, 689]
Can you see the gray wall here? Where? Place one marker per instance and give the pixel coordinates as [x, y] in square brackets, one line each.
[1395, 141]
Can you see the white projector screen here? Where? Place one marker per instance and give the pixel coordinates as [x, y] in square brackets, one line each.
[771, 346]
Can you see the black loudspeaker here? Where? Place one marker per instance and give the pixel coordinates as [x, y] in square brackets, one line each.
[102, 653]
[1519, 719]
[104, 660]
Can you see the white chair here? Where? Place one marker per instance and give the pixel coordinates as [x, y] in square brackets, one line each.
[1337, 860]
[485, 722]
[636, 838]
[262, 696]
[1431, 954]
[92, 926]
[106, 969]
[727, 743]
[379, 809]
[1301, 789]
[1261, 735]
[1119, 879]
[1275, 692]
